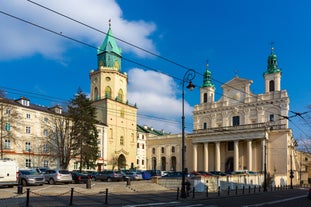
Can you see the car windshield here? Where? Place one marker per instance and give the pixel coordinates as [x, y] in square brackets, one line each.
[64, 172]
[28, 172]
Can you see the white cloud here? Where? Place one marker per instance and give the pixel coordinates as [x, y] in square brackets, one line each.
[20, 39]
[156, 97]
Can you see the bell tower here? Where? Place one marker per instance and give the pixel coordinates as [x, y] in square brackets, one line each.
[207, 90]
[273, 74]
[108, 92]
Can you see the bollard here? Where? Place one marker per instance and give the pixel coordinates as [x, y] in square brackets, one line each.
[228, 190]
[243, 189]
[249, 189]
[89, 183]
[218, 191]
[128, 181]
[27, 197]
[177, 193]
[20, 189]
[71, 197]
[259, 189]
[255, 189]
[236, 190]
[106, 198]
[206, 191]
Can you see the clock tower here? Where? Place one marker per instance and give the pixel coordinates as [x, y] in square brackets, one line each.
[109, 95]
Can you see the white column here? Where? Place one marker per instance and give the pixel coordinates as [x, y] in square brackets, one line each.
[236, 156]
[205, 160]
[217, 156]
[250, 153]
[195, 157]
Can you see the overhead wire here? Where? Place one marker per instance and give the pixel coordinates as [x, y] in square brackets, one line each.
[126, 59]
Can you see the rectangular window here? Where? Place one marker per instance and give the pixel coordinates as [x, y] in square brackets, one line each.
[45, 132]
[236, 121]
[46, 119]
[7, 111]
[27, 116]
[27, 146]
[271, 117]
[75, 165]
[7, 144]
[137, 145]
[28, 162]
[137, 161]
[45, 163]
[27, 129]
[45, 148]
[7, 126]
[99, 154]
[205, 125]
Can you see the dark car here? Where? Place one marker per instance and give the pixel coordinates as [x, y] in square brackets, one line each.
[109, 175]
[309, 193]
[78, 177]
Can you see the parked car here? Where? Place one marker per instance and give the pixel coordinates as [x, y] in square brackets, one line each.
[146, 175]
[309, 193]
[109, 175]
[30, 177]
[134, 175]
[78, 177]
[154, 172]
[58, 176]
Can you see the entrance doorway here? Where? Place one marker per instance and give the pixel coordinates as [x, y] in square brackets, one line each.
[121, 162]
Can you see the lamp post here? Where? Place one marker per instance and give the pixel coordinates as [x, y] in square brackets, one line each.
[188, 77]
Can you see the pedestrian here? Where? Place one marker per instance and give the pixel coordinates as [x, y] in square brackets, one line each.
[188, 187]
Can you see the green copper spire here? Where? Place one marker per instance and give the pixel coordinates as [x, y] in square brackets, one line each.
[109, 54]
[207, 78]
[272, 63]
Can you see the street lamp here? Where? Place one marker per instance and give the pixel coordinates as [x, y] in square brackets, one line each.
[188, 77]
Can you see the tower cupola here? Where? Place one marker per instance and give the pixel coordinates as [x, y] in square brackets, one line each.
[109, 54]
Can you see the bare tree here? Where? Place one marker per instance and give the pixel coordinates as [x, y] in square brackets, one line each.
[59, 141]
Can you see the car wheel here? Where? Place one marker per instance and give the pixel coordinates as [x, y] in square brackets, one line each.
[109, 179]
[24, 182]
[51, 181]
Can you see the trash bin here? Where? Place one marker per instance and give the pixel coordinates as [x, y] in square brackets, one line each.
[20, 189]
[89, 183]
[128, 181]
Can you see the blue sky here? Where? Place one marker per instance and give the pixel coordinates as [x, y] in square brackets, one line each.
[233, 36]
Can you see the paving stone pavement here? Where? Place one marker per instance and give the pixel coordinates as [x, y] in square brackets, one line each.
[102, 194]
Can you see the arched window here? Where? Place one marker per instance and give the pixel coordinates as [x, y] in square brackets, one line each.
[153, 150]
[204, 125]
[96, 96]
[120, 95]
[205, 97]
[162, 149]
[173, 149]
[271, 85]
[107, 92]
